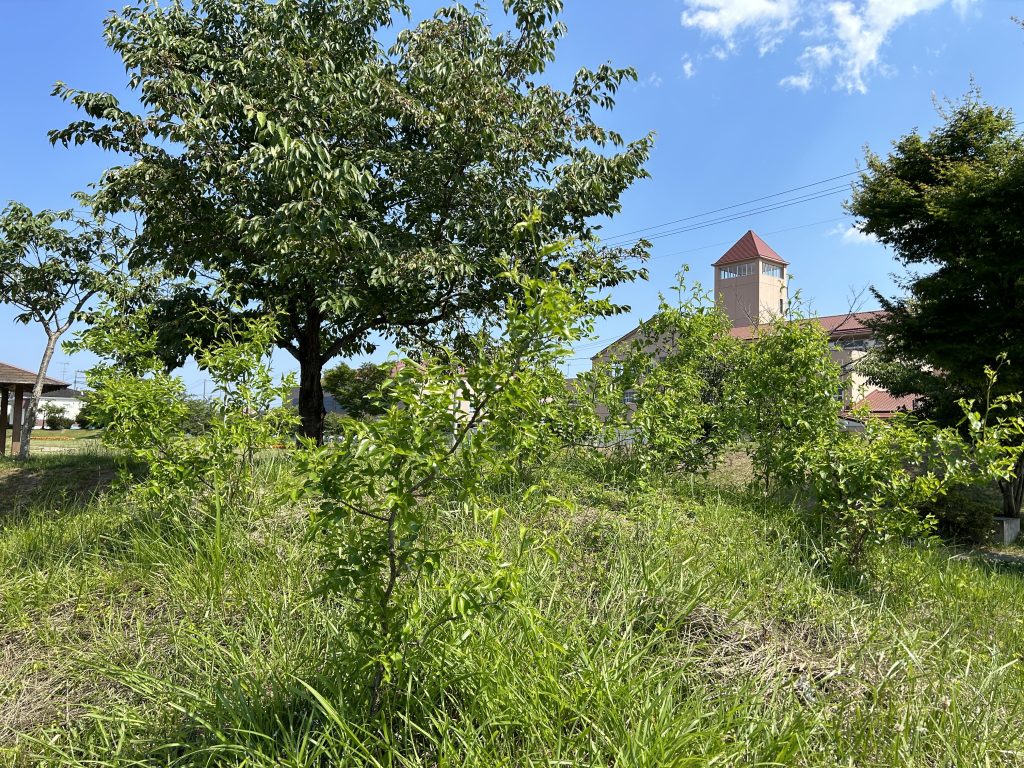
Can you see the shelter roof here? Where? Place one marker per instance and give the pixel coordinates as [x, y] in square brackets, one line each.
[12, 375]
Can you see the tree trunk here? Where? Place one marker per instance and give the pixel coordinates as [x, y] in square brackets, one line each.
[311, 392]
[37, 393]
[1013, 490]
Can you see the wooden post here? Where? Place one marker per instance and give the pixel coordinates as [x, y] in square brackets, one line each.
[16, 418]
[4, 395]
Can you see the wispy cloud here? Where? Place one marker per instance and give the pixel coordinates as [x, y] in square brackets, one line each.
[849, 234]
[653, 80]
[801, 82]
[849, 35]
[689, 70]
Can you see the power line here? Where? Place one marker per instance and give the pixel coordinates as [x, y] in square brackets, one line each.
[623, 236]
[817, 195]
[730, 207]
[730, 242]
[600, 343]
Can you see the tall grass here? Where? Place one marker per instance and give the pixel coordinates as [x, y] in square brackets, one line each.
[682, 624]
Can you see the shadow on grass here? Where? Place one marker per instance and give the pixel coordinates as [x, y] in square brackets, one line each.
[61, 481]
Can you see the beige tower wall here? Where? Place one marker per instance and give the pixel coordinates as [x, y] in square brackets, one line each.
[751, 299]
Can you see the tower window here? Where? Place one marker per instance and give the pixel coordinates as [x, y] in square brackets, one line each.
[772, 270]
[737, 270]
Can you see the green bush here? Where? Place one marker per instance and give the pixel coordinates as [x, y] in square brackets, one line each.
[334, 424]
[55, 417]
[384, 485]
[965, 515]
[657, 402]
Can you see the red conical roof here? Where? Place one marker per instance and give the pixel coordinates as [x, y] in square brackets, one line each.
[748, 247]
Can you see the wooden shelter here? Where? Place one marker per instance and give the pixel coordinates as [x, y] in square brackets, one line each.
[16, 383]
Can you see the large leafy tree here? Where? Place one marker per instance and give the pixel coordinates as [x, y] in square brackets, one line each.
[284, 155]
[951, 205]
[52, 264]
[353, 388]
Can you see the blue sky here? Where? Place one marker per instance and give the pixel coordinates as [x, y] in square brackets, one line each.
[748, 98]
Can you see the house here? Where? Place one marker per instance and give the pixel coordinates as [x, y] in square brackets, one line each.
[68, 399]
[330, 404]
[750, 287]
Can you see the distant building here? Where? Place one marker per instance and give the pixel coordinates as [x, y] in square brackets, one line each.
[330, 404]
[68, 399]
[750, 282]
[750, 287]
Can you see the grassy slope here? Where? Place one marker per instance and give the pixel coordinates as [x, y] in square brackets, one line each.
[678, 626]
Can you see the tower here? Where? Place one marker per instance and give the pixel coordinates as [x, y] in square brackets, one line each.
[750, 282]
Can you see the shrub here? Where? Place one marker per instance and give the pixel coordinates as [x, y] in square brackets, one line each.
[880, 486]
[965, 514]
[55, 417]
[89, 415]
[199, 455]
[786, 399]
[659, 401]
[334, 425]
[454, 420]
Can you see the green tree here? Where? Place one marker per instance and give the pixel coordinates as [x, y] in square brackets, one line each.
[950, 205]
[52, 264]
[352, 388]
[786, 399]
[286, 156]
[660, 398]
[457, 419]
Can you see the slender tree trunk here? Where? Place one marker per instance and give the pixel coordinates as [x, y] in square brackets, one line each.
[37, 393]
[1013, 490]
[311, 392]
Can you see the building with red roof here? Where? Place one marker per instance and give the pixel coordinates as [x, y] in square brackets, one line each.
[750, 281]
[751, 288]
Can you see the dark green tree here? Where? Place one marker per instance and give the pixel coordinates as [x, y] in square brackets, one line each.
[352, 387]
[951, 206]
[286, 158]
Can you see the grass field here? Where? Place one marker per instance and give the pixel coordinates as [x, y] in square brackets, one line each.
[61, 440]
[681, 625]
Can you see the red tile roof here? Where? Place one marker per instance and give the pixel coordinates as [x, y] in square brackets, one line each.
[836, 326]
[882, 403]
[748, 247]
[11, 375]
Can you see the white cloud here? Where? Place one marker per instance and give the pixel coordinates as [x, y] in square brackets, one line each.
[801, 82]
[767, 20]
[851, 235]
[688, 69]
[653, 80]
[860, 34]
[849, 35]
